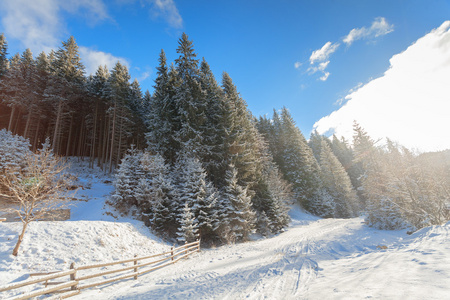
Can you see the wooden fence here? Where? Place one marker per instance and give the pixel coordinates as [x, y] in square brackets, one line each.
[78, 281]
[2, 219]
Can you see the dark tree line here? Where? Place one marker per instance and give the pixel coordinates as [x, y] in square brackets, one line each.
[97, 116]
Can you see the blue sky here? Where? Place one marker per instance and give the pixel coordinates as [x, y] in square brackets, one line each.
[299, 54]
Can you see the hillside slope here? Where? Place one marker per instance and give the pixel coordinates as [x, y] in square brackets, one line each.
[313, 259]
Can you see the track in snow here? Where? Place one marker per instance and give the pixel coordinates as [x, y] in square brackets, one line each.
[316, 259]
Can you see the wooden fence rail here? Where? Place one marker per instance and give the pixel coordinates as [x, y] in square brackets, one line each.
[2, 219]
[74, 286]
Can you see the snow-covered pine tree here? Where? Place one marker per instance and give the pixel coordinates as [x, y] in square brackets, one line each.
[138, 111]
[215, 129]
[365, 156]
[118, 91]
[299, 165]
[190, 100]
[127, 179]
[240, 142]
[4, 66]
[4, 63]
[344, 153]
[164, 219]
[12, 86]
[195, 189]
[315, 143]
[162, 117]
[29, 95]
[241, 217]
[155, 192]
[188, 230]
[13, 151]
[42, 109]
[272, 193]
[64, 88]
[96, 120]
[337, 183]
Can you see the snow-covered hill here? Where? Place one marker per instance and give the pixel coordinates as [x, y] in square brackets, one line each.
[314, 258]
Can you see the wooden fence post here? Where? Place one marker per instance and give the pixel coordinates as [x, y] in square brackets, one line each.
[135, 269]
[73, 276]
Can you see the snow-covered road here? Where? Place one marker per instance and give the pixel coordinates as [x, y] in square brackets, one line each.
[314, 259]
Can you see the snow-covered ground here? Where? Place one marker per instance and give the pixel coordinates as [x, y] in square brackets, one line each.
[313, 259]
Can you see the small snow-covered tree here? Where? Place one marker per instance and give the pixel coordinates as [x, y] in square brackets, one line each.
[337, 183]
[13, 151]
[195, 189]
[241, 216]
[164, 218]
[188, 230]
[127, 179]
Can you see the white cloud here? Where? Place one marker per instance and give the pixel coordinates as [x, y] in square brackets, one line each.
[325, 76]
[144, 76]
[38, 25]
[34, 23]
[378, 28]
[297, 64]
[93, 58]
[321, 67]
[410, 103]
[323, 53]
[319, 59]
[167, 10]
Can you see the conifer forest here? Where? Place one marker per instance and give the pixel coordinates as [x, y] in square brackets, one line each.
[192, 161]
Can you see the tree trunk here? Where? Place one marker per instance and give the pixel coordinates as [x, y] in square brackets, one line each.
[19, 241]
[120, 142]
[80, 141]
[17, 122]
[94, 133]
[13, 109]
[113, 135]
[25, 134]
[36, 135]
[58, 120]
[70, 136]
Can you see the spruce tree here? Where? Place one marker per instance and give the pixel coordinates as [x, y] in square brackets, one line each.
[162, 117]
[241, 217]
[344, 153]
[164, 218]
[4, 62]
[299, 165]
[215, 129]
[337, 183]
[127, 179]
[241, 139]
[365, 159]
[189, 99]
[188, 230]
[64, 89]
[97, 119]
[118, 91]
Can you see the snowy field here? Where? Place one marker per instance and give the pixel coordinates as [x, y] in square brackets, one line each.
[313, 259]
